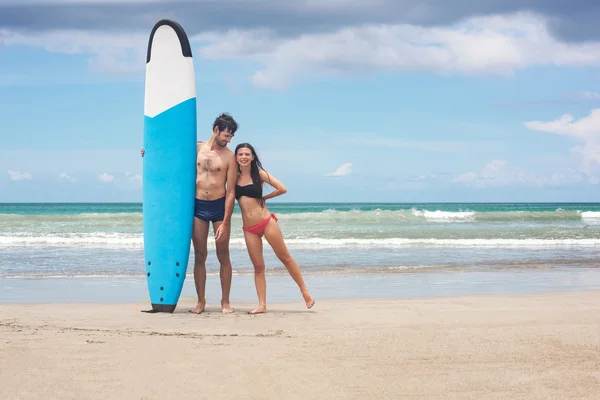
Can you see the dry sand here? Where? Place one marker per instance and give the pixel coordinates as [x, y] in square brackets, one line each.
[543, 346]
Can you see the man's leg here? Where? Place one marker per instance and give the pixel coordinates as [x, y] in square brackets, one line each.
[199, 238]
[225, 272]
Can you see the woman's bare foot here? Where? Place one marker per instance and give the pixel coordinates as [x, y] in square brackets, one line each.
[226, 308]
[308, 298]
[199, 307]
[258, 310]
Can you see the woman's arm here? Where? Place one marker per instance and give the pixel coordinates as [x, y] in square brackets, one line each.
[271, 180]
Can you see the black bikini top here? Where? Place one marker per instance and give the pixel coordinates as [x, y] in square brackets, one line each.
[250, 190]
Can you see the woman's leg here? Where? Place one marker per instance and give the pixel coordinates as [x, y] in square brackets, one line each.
[255, 251]
[275, 239]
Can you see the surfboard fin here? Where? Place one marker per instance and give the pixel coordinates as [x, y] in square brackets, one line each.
[169, 308]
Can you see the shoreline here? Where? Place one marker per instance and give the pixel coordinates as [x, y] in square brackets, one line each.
[283, 306]
[499, 346]
[282, 289]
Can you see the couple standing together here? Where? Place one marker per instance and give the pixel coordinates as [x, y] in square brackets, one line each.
[222, 176]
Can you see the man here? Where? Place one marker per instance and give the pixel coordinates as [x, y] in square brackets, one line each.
[216, 175]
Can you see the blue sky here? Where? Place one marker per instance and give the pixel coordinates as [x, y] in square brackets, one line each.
[343, 102]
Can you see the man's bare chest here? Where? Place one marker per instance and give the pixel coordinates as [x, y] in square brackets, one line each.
[209, 160]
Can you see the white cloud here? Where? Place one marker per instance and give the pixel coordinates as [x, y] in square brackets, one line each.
[132, 182]
[20, 176]
[345, 169]
[499, 173]
[135, 180]
[492, 174]
[133, 177]
[585, 130]
[63, 176]
[106, 178]
[497, 45]
[490, 45]
[587, 95]
[93, 2]
[110, 53]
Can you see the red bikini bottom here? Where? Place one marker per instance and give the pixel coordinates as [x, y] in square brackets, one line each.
[259, 228]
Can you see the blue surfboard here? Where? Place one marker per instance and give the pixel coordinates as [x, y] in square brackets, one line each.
[169, 163]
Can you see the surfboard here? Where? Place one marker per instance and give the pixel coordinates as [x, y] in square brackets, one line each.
[169, 163]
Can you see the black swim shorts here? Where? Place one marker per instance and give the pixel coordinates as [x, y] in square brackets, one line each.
[210, 210]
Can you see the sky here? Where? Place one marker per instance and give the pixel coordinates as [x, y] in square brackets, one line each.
[344, 100]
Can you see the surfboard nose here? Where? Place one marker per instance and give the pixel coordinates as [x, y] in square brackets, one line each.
[170, 76]
[176, 40]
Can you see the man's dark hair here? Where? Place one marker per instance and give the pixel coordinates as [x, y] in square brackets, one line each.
[225, 121]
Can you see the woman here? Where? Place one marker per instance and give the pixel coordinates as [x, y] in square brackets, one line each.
[258, 221]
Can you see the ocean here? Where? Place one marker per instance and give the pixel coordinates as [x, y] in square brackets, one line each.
[77, 252]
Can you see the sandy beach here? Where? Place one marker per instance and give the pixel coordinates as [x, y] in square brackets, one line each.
[541, 346]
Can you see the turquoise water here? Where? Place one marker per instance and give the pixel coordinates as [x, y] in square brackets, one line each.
[44, 241]
[82, 208]
[349, 248]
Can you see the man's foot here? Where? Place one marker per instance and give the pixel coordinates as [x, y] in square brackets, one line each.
[199, 307]
[258, 310]
[308, 298]
[226, 308]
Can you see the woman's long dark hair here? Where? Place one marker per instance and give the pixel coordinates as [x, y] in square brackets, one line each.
[255, 167]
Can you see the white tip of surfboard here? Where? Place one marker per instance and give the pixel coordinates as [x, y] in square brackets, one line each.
[169, 73]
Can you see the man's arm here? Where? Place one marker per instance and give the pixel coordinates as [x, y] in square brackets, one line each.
[229, 197]
[232, 175]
